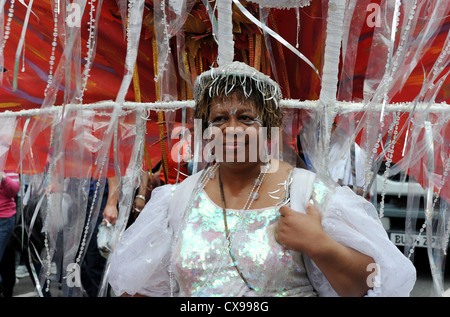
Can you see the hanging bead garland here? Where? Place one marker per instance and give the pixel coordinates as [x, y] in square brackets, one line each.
[52, 58]
[389, 155]
[90, 45]
[424, 225]
[7, 26]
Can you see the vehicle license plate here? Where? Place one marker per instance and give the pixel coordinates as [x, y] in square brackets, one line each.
[400, 239]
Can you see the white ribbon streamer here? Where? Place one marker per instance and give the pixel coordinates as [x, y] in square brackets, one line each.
[21, 43]
[225, 36]
[275, 35]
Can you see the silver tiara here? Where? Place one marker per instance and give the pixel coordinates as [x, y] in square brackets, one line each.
[232, 75]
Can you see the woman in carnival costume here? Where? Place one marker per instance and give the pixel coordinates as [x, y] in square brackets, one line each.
[247, 225]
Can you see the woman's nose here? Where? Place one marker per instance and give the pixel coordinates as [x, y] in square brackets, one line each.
[234, 130]
[233, 122]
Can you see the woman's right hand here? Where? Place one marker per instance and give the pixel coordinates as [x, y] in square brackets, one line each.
[298, 231]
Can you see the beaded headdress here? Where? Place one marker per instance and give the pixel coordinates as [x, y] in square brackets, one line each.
[232, 74]
[237, 76]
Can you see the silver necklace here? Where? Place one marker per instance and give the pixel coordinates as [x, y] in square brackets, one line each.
[253, 195]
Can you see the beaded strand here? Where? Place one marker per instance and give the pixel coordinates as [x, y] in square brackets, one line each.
[424, 225]
[90, 45]
[7, 26]
[52, 58]
[389, 155]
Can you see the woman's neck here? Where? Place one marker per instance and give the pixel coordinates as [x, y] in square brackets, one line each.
[237, 176]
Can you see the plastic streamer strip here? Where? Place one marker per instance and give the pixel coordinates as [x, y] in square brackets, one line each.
[160, 114]
[122, 5]
[182, 61]
[429, 212]
[439, 65]
[168, 23]
[136, 9]
[263, 16]
[91, 45]
[130, 182]
[335, 21]
[355, 14]
[275, 35]
[411, 161]
[20, 176]
[212, 18]
[395, 21]
[21, 44]
[21, 169]
[38, 288]
[430, 85]
[444, 55]
[128, 186]
[30, 260]
[225, 36]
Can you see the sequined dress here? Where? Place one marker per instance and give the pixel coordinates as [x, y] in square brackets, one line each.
[204, 267]
[177, 247]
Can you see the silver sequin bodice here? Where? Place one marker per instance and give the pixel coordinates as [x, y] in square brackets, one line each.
[203, 266]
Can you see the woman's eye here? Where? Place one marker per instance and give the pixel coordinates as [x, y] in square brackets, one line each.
[246, 119]
[219, 119]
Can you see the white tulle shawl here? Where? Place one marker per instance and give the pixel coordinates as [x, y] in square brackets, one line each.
[353, 221]
[140, 262]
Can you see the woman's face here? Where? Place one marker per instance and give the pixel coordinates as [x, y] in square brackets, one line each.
[235, 125]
